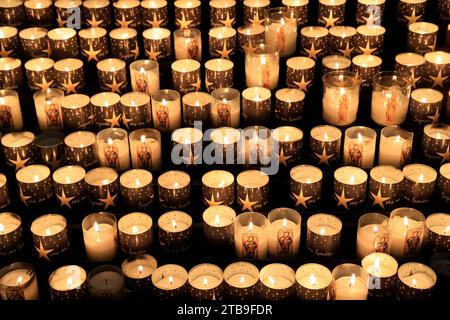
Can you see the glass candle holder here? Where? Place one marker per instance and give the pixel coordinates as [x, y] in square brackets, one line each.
[225, 142]
[68, 283]
[187, 146]
[19, 149]
[386, 186]
[420, 182]
[395, 147]
[341, 40]
[359, 147]
[436, 143]
[50, 148]
[11, 112]
[437, 66]
[136, 189]
[350, 184]
[145, 147]
[106, 282]
[222, 42]
[70, 187]
[335, 63]
[325, 144]
[145, 76]
[256, 106]
[11, 233]
[106, 110]
[136, 110]
[100, 236]
[369, 39]
[124, 44]
[438, 231]
[284, 232]
[166, 110]
[340, 97]
[175, 231]
[372, 235]
[13, 13]
[138, 272]
[102, 187]
[11, 76]
[425, 106]
[222, 13]
[5, 199]
[350, 282]
[50, 236]
[281, 32]
[262, 67]
[127, 14]
[256, 146]
[218, 188]
[250, 35]
[241, 281]
[157, 43]
[97, 13]
[18, 281]
[406, 233]
[174, 190]
[390, 98]
[218, 226]
[196, 107]
[300, 73]
[188, 14]
[154, 13]
[225, 107]
[64, 10]
[381, 270]
[170, 282]
[416, 281]
[276, 282]
[80, 149]
[35, 185]
[331, 13]
[287, 145]
[205, 282]
[422, 37]
[366, 66]
[188, 44]
[186, 75]
[10, 41]
[93, 44]
[63, 43]
[48, 109]
[69, 75]
[251, 236]
[76, 112]
[313, 282]
[255, 11]
[410, 11]
[370, 12]
[34, 43]
[112, 75]
[314, 41]
[135, 233]
[323, 235]
[289, 104]
[113, 148]
[412, 64]
[305, 186]
[444, 182]
[39, 13]
[40, 74]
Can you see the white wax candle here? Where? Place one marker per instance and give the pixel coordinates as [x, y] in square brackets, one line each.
[169, 277]
[100, 242]
[360, 151]
[282, 34]
[48, 109]
[139, 268]
[219, 216]
[402, 229]
[188, 44]
[350, 288]
[120, 148]
[393, 150]
[251, 235]
[10, 111]
[175, 221]
[369, 236]
[340, 105]
[48, 225]
[32, 174]
[277, 276]
[262, 70]
[283, 232]
[226, 112]
[389, 106]
[144, 76]
[146, 150]
[166, 113]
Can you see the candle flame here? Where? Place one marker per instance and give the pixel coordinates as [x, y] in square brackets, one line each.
[222, 183]
[375, 229]
[225, 140]
[446, 230]
[263, 60]
[68, 180]
[142, 70]
[96, 227]
[250, 226]
[383, 180]
[352, 280]
[360, 138]
[286, 137]
[36, 178]
[242, 279]
[272, 280]
[352, 180]
[170, 279]
[164, 102]
[217, 219]
[325, 136]
[140, 269]
[143, 138]
[137, 182]
[405, 221]
[176, 184]
[19, 280]
[421, 177]
[438, 135]
[69, 282]
[414, 282]
[342, 92]
[110, 141]
[2, 228]
[376, 264]
[397, 138]
[205, 281]
[48, 232]
[197, 103]
[174, 223]
[322, 231]
[284, 223]
[134, 229]
[312, 279]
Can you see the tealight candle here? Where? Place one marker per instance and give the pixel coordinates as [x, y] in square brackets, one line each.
[305, 186]
[335, 63]
[196, 107]
[81, 149]
[18, 282]
[386, 186]
[255, 11]
[444, 182]
[97, 13]
[425, 106]
[416, 281]
[289, 104]
[135, 232]
[381, 269]
[325, 144]
[314, 41]
[256, 146]
[298, 9]
[253, 190]
[19, 149]
[175, 231]
[12, 13]
[225, 142]
[331, 12]
[112, 75]
[225, 107]
[145, 148]
[218, 188]
[174, 190]
[106, 282]
[300, 73]
[136, 189]
[35, 185]
[154, 13]
[10, 41]
[138, 272]
[287, 145]
[250, 236]
[410, 11]
[68, 283]
[113, 148]
[40, 73]
[34, 43]
[250, 35]
[276, 282]
[102, 187]
[222, 13]
[359, 147]
[11, 76]
[369, 39]
[341, 40]
[186, 75]
[222, 42]
[350, 282]
[218, 225]
[11, 119]
[370, 11]
[166, 110]
[281, 32]
[63, 43]
[284, 232]
[124, 44]
[69, 185]
[262, 67]
[188, 44]
[422, 37]
[106, 110]
[50, 148]
[438, 231]
[372, 234]
[323, 235]
[64, 10]
[100, 236]
[136, 110]
[127, 14]
[5, 199]
[366, 66]
[39, 12]
[93, 44]
[256, 106]
[76, 112]
[436, 143]
[157, 43]
[437, 67]
[313, 282]
[69, 75]
[350, 184]
[412, 64]
[11, 233]
[420, 182]
[144, 76]
[187, 146]
[241, 281]
[170, 281]
[205, 282]
[188, 14]
[395, 147]
[48, 109]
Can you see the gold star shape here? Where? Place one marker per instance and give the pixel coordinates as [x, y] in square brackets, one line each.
[282, 158]
[371, 19]
[114, 121]
[42, 252]
[303, 85]
[197, 85]
[228, 22]
[114, 86]
[48, 51]
[65, 201]
[68, 86]
[124, 23]
[190, 160]
[256, 19]
[155, 23]
[412, 18]
[152, 54]
[433, 46]
[208, 84]
[249, 48]
[224, 53]
[312, 53]
[330, 20]
[60, 21]
[444, 155]
[184, 24]
[135, 51]
[342, 200]
[44, 85]
[3, 52]
[439, 80]
[93, 22]
[91, 53]
[19, 162]
[301, 199]
[23, 197]
[126, 121]
[91, 119]
[109, 200]
[323, 158]
[213, 202]
[367, 49]
[435, 117]
[247, 204]
[347, 52]
[378, 199]
[413, 78]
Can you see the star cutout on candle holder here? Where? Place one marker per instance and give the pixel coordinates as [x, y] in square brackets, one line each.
[48, 51]
[213, 202]
[303, 85]
[197, 85]
[378, 199]
[94, 22]
[42, 252]
[330, 20]
[208, 84]
[444, 155]
[114, 86]
[372, 18]
[347, 52]
[91, 119]
[155, 23]
[19, 162]
[135, 51]
[367, 49]
[114, 120]
[342, 200]
[301, 199]
[438, 80]
[64, 200]
[247, 204]
[225, 53]
[412, 18]
[433, 45]
[124, 23]
[184, 24]
[248, 48]
[414, 79]
[3, 51]
[23, 197]
[323, 158]
[256, 19]
[228, 22]
[44, 85]
[91, 53]
[435, 118]
[312, 53]
[60, 21]
[126, 121]
[152, 54]
[191, 159]
[109, 200]
[282, 158]
[68, 86]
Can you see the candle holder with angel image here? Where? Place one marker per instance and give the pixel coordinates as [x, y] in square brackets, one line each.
[48, 109]
[144, 76]
[113, 149]
[166, 110]
[145, 146]
[262, 66]
[281, 31]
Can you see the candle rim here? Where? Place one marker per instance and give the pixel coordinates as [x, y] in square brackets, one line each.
[95, 4]
[419, 26]
[306, 31]
[358, 173]
[31, 4]
[61, 34]
[28, 32]
[317, 173]
[362, 60]
[147, 261]
[123, 33]
[158, 4]
[288, 274]
[6, 139]
[43, 63]
[161, 272]
[181, 184]
[75, 135]
[407, 170]
[229, 178]
[77, 169]
[406, 270]
[88, 33]
[75, 101]
[186, 65]
[300, 63]
[71, 63]
[409, 59]
[438, 219]
[251, 270]
[182, 4]
[444, 170]
[25, 170]
[140, 99]
[430, 57]
[264, 94]
[299, 94]
[67, 4]
[78, 271]
[144, 220]
[436, 94]
[156, 33]
[313, 223]
[9, 63]
[219, 4]
[145, 178]
[105, 66]
[11, 3]
[368, 261]
[46, 219]
[249, 182]
[130, 4]
[227, 213]
[14, 267]
[101, 171]
[322, 271]
[179, 217]
[383, 170]
[97, 100]
[371, 30]
[205, 269]
[9, 29]
[349, 31]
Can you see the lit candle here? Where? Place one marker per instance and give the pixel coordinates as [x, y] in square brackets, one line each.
[144, 76]
[68, 283]
[145, 146]
[11, 112]
[289, 104]
[103, 187]
[386, 186]
[138, 272]
[256, 106]
[436, 143]
[314, 42]
[305, 186]
[154, 13]
[174, 190]
[225, 107]
[48, 109]
[196, 107]
[11, 76]
[222, 42]
[335, 63]
[255, 11]
[63, 43]
[366, 66]
[262, 67]
[438, 231]
[370, 11]
[412, 64]
[250, 35]
[253, 190]
[100, 236]
[256, 146]
[106, 110]
[10, 41]
[409, 11]
[136, 110]
[416, 282]
[35, 185]
[313, 282]
[218, 226]
[359, 147]
[80, 149]
[331, 12]
[34, 42]
[76, 112]
[225, 141]
[187, 146]
[186, 75]
[222, 13]
[136, 189]
[188, 13]
[112, 75]
[298, 9]
[40, 73]
[19, 149]
[369, 39]
[250, 236]
[18, 282]
[64, 10]
[69, 75]
[12, 13]
[113, 148]
[300, 73]
[11, 233]
[437, 66]
[97, 13]
[350, 184]
[420, 182]
[135, 233]
[241, 281]
[69, 185]
[175, 231]
[39, 12]
[323, 234]
[395, 146]
[281, 32]
[444, 182]
[342, 40]
[205, 282]
[106, 282]
[127, 14]
[166, 110]
[287, 145]
[422, 37]
[425, 106]
[157, 43]
[5, 199]
[124, 44]
[284, 232]
[218, 188]
[188, 44]
[170, 281]
[277, 281]
[372, 234]
[350, 282]
[381, 269]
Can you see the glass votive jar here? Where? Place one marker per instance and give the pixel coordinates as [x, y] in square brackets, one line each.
[276, 282]
[218, 188]
[35, 185]
[251, 236]
[250, 35]
[175, 231]
[19, 149]
[50, 148]
[289, 104]
[113, 148]
[335, 63]
[100, 236]
[97, 13]
[70, 187]
[350, 282]
[256, 146]
[341, 40]
[412, 64]
[48, 109]
[11, 114]
[359, 147]
[11, 76]
[325, 144]
[437, 67]
[157, 43]
[112, 75]
[225, 107]
[256, 106]
[218, 225]
[40, 74]
[410, 11]
[102, 187]
[174, 190]
[369, 39]
[323, 234]
[331, 12]
[144, 76]
[69, 75]
[135, 233]
[390, 97]
[18, 281]
[395, 147]
[425, 106]
[145, 147]
[106, 110]
[166, 110]
[196, 108]
[106, 282]
[39, 13]
[314, 41]
[76, 112]
[444, 182]
[63, 43]
[262, 67]
[205, 282]
[340, 97]
[186, 75]
[81, 149]
[187, 146]
[386, 186]
[225, 142]
[136, 189]
[188, 14]
[154, 13]
[350, 185]
[34, 43]
[138, 271]
[372, 235]
[422, 37]
[93, 44]
[222, 42]
[366, 66]
[10, 41]
[241, 281]
[170, 282]
[284, 232]
[127, 14]
[287, 145]
[420, 183]
[438, 232]
[12, 13]
[436, 143]
[11, 233]
[124, 44]
[370, 12]
[5, 198]
[305, 186]
[416, 281]
[313, 282]
[188, 44]
[68, 283]
[381, 270]
[136, 110]
[281, 32]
